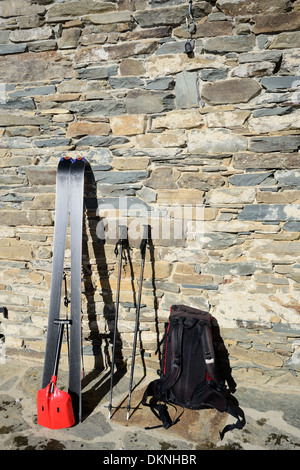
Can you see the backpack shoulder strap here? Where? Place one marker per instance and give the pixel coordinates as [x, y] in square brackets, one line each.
[174, 341]
[159, 389]
[237, 413]
[209, 357]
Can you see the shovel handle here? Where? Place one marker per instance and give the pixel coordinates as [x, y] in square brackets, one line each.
[52, 383]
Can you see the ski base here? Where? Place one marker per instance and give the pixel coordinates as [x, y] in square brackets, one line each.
[69, 201]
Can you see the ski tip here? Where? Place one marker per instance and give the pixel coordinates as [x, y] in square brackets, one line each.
[63, 159]
[128, 412]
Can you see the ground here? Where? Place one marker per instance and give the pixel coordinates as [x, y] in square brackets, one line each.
[272, 418]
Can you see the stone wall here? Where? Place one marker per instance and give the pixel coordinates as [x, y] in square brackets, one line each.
[204, 148]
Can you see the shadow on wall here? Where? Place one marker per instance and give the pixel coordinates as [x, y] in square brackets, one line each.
[96, 384]
[100, 342]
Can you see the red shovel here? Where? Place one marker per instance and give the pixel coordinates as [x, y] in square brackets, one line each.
[54, 406]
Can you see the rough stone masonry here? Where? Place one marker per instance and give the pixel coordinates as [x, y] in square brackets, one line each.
[205, 148]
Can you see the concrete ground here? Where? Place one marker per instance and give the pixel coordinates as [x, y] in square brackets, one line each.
[272, 418]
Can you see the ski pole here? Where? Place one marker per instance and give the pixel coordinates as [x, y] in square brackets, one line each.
[143, 255]
[121, 242]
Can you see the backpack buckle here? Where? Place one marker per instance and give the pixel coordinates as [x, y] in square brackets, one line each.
[209, 361]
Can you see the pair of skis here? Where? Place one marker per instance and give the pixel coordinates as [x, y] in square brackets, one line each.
[69, 200]
[123, 242]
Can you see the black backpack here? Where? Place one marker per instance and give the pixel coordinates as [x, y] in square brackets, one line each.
[188, 375]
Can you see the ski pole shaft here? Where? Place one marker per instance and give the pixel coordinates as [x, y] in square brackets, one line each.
[121, 242]
[143, 255]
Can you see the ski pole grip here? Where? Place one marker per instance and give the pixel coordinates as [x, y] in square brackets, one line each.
[145, 233]
[123, 233]
[144, 240]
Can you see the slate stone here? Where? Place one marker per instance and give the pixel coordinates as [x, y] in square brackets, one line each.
[100, 141]
[4, 37]
[9, 119]
[270, 212]
[117, 203]
[96, 73]
[291, 226]
[119, 51]
[34, 91]
[269, 56]
[242, 268]
[147, 101]
[38, 176]
[211, 75]
[279, 111]
[30, 67]
[219, 240]
[201, 286]
[172, 47]
[42, 46]
[215, 141]
[249, 179]
[95, 54]
[59, 11]
[120, 190]
[283, 143]
[32, 34]
[161, 178]
[258, 69]
[288, 177]
[244, 7]
[22, 103]
[97, 107]
[280, 83]
[126, 82]
[286, 40]
[278, 98]
[110, 18]
[275, 23]
[163, 83]
[186, 90]
[54, 142]
[15, 198]
[69, 38]
[12, 48]
[239, 90]
[15, 142]
[120, 177]
[223, 44]
[172, 16]
[132, 67]
[273, 160]
[213, 28]
[287, 328]
[19, 8]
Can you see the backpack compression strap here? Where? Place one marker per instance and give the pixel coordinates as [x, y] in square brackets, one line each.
[209, 357]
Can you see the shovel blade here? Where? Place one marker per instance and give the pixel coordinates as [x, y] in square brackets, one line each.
[54, 410]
